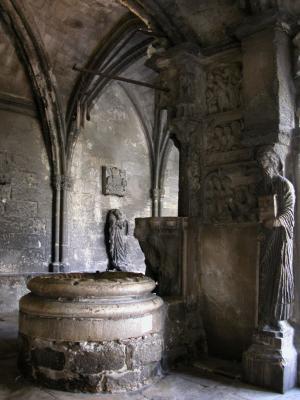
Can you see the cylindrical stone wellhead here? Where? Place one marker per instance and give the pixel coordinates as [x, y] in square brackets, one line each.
[89, 332]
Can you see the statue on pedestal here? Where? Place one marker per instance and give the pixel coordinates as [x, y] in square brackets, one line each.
[276, 294]
[271, 360]
[116, 240]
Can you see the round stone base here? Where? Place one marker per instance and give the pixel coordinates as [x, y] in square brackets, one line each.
[108, 366]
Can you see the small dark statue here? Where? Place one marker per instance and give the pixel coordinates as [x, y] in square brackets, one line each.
[276, 294]
[116, 240]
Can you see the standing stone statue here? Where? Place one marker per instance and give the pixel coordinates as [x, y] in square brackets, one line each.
[276, 259]
[271, 360]
[116, 240]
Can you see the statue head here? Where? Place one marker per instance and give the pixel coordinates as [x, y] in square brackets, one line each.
[118, 214]
[269, 161]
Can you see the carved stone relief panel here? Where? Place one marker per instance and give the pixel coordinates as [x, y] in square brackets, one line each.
[223, 91]
[223, 142]
[230, 195]
[162, 241]
[114, 181]
[224, 136]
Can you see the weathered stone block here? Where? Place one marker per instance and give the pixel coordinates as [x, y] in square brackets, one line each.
[32, 226]
[48, 358]
[150, 371]
[144, 351]
[110, 356]
[21, 209]
[20, 241]
[73, 384]
[89, 235]
[30, 186]
[90, 187]
[11, 288]
[271, 361]
[129, 380]
[5, 192]
[25, 260]
[44, 210]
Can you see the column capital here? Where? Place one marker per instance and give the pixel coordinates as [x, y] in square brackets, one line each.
[183, 129]
[181, 71]
[276, 20]
[62, 182]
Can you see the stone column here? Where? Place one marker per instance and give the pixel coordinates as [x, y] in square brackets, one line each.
[61, 185]
[66, 188]
[155, 202]
[269, 115]
[185, 131]
[55, 264]
[182, 73]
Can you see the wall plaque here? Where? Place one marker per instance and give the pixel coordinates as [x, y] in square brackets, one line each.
[114, 181]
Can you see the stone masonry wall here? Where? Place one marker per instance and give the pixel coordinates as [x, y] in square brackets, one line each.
[113, 137]
[10, 65]
[108, 366]
[25, 196]
[25, 192]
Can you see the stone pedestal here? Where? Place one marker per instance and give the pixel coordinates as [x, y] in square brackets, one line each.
[91, 332]
[271, 361]
[181, 255]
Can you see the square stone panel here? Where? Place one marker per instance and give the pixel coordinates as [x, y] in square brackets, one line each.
[114, 181]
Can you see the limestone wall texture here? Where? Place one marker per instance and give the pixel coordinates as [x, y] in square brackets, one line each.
[113, 137]
[25, 206]
[25, 196]
[9, 63]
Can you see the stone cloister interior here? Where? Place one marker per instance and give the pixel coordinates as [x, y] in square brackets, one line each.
[149, 199]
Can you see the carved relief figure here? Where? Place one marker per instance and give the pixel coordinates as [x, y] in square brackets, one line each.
[225, 137]
[276, 292]
[219, 198]
[224, 88]
[227, 202]
[116, 240]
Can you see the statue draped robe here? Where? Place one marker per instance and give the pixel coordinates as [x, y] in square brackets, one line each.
[276, 258]
[118, 231]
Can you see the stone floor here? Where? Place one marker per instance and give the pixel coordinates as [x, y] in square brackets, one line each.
[175, 386]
